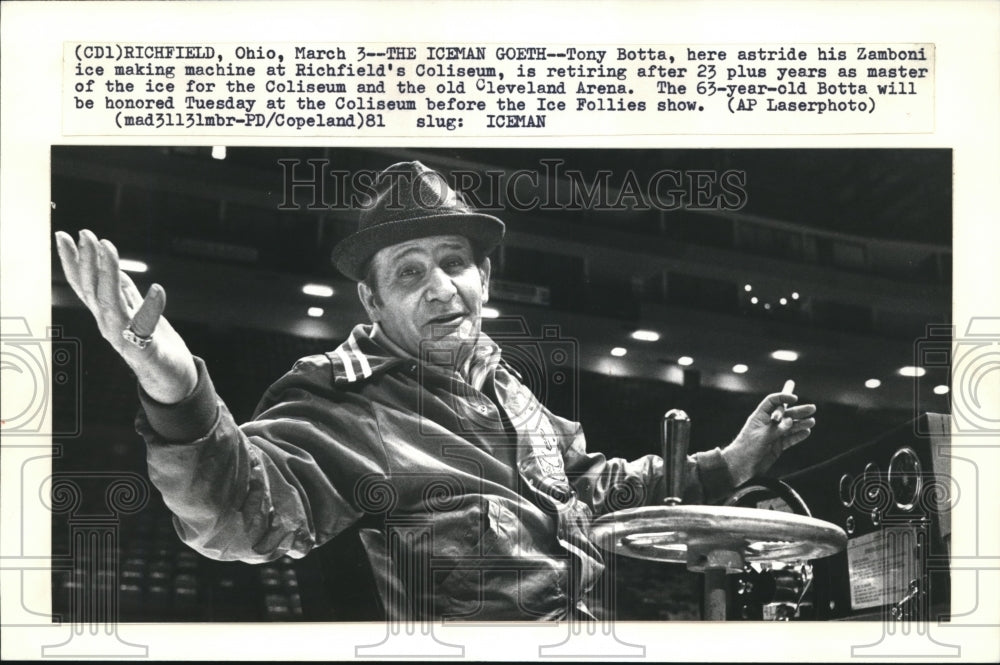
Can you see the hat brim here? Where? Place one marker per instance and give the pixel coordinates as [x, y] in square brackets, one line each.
[351, 255]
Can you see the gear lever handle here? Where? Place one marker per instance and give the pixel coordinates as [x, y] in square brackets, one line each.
[674, 438]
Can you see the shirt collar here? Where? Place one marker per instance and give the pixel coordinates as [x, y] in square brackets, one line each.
[483, 362]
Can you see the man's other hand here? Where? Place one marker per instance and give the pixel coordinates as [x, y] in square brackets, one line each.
[165, 368]
[761, 441]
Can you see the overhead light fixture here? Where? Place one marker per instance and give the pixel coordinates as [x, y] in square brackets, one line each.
[490, 312]
[740, 369]
[912, 371]
[618, 352]
[218, 152]
[767, 305]
[319, 290]
[795, 295]
[646, 335]
[753, 301]
[685, 361]
[787, 356]
[315, 311]
[941, 390]
[784, 301]
[747, 288]
[131, 265]
[872, 383]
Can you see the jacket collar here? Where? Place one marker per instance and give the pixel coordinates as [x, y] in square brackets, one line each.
[360, 357]
[368, 352]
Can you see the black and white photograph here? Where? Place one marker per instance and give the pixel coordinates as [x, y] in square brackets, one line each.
[501, 385]
[499, 331]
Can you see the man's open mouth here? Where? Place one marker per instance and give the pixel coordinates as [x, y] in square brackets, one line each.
[447, 319]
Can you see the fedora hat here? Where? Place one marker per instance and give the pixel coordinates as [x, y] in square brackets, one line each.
[412, 201]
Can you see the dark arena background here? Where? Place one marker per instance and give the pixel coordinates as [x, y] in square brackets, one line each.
[842, 257]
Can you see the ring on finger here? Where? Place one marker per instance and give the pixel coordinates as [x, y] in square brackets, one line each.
[136, 339]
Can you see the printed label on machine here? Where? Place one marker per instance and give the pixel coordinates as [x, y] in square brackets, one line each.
[880, 566]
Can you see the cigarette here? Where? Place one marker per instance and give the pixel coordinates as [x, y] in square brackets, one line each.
[779, 413]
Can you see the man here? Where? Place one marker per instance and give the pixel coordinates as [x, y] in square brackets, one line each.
[476, 500]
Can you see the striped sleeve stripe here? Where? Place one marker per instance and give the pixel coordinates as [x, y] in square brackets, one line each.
[348, 368]
[366, 369]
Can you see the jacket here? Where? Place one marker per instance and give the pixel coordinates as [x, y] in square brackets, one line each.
[477, 502]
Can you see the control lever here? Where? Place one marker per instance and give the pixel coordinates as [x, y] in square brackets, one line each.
[713, 540]
[675, 436]
[899, 609]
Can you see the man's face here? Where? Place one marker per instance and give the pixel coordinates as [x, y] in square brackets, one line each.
[430, 296]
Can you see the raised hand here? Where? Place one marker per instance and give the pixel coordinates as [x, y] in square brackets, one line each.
[165, 367]
[760, 443]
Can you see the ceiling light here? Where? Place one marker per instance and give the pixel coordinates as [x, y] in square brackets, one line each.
[767, 305]
[872, 383]
[740, 369]
[320, 290]
[747, 288]
[941, 390]
[646, 335]
[685, 361]
[315, 311]
[787, 356]
[912, 371]
[219, 152]
[131, 265]
[618, 352]
[795, 295]
[753, 300]
[490, 312]
[784, 301]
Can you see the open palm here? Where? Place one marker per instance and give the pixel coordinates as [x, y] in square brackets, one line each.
[165, 368]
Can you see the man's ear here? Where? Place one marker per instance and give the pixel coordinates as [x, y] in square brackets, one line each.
[367, 298]
[484, 274]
